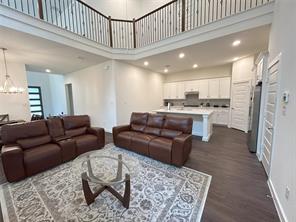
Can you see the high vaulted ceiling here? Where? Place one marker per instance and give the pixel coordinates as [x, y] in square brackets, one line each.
[39, 54]
[210, 53]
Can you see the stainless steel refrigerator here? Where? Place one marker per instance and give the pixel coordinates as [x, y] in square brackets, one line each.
[253, 135]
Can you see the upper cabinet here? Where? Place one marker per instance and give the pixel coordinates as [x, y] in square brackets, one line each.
[175, 90]
[225, 85]
[192, 86]
[214, 89]
[218, 88]
[203, 92]
[180, 90]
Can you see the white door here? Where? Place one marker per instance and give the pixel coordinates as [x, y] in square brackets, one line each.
[240, 105]
[203, 89]
[214, 85]
[269, 115]
[225, 88]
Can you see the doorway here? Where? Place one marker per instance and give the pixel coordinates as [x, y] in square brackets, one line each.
[69, 99]
[269, 113]
[240, 108]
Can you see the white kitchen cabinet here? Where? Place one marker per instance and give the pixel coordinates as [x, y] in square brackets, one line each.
[221, 116]
[218, 88]
[192, 86]
[174, 90]
[166, 91]
[180, 90]
[224, 88]
[203, 89]
[214, 89]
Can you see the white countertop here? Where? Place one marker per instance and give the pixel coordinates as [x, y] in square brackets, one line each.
[194, 111]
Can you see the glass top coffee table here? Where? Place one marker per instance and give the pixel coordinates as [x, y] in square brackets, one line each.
[103, 171]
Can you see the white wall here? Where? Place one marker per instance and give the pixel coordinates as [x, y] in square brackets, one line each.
[94, 94]
[242, 70]
[126, 9]
[110, 91]
[203, 73]
[16, 105]
[283, 164]
[52, 90]
[137, 89]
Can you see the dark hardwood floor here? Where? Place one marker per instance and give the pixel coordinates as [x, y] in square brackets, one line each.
[238, 190]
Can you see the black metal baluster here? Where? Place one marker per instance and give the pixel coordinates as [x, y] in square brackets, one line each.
[76, 17]
[72, 13]
[15, 6]
[22, 7]
[80, 21]
[45, 9]
[33, 5]
[245, 5]
[240, 5]
[50, 4]
[28, 8]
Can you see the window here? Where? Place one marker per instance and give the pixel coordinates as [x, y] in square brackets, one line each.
[35, 100]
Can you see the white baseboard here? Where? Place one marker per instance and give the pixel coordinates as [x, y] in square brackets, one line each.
[277, 203]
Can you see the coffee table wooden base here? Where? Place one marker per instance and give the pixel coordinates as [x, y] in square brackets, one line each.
[90, 196]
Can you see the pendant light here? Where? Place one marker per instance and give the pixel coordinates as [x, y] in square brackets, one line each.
[8, 86]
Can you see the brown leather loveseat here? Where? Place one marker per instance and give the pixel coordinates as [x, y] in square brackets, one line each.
[162, 137]
[33, 147]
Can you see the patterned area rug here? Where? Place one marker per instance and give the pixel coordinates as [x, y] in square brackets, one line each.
[159, 192]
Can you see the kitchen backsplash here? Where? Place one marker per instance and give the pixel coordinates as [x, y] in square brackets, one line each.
[193, 100]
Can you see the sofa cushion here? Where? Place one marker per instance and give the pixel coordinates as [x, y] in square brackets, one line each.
[155, 120]
[73, 122]
[85, 143]
[41, 158]
[11, 133]
[182, 124]
[140, 143]
[55, 127]
[137, 128]
[124, 138]
[170, 133]
[76, 132]
[138, 121]
[152, 130]
[160, 149]
[139, 118]
[33, 141]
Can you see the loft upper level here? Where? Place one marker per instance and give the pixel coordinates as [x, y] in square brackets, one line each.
[172, 19]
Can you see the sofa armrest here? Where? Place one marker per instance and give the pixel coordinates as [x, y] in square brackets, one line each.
[118, 129]
[13, 163]
[98, 132]
[181, 149]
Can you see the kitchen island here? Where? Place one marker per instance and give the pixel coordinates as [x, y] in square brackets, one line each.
[202, 120]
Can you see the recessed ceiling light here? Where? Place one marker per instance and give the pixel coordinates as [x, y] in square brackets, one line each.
[235, 59]
[236, 43]
[195, 66]
[47, 70]
[146, 63]
[181, 55]
[166, 70]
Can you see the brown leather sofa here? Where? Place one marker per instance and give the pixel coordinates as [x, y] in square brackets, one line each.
[33, 147]
[162, 137]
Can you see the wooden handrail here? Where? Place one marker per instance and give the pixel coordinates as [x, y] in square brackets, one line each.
[83, 3]
[155, 10]
[122, 20]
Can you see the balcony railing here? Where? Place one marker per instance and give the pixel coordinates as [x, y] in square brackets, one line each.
[168, 20]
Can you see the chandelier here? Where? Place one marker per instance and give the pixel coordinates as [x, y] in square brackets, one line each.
[8, 85]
